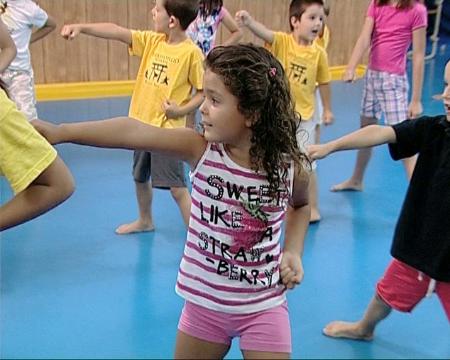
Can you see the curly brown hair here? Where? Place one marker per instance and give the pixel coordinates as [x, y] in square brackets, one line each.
[257, 79]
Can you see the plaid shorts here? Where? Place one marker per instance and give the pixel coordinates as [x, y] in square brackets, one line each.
[387, 94]
[20, 85]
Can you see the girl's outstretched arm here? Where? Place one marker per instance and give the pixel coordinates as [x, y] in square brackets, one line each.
[368, 136]
[127, 133]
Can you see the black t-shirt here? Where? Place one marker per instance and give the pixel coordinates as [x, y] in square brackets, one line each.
[422, 234]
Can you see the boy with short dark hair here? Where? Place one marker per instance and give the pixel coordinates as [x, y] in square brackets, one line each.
[171, 67]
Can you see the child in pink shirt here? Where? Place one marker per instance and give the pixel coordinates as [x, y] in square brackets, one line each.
[389, 29]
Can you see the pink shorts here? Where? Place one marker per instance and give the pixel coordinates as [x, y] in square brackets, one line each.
[402, 287]
[266, 331]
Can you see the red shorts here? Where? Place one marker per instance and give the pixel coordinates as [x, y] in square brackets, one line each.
[402, 287]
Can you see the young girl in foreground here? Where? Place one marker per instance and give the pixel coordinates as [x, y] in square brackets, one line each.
[248, 175]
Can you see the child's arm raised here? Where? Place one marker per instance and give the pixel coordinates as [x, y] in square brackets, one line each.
[42, 32]
[244, 19]
[297, 221]
[419, 42]
[362, 44]
[127, 133]
[107, 31]
[7, 48]
[233, 28]
[54, 185]
[368, 136]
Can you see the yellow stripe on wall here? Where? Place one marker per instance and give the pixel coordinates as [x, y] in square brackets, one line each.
[102, 89]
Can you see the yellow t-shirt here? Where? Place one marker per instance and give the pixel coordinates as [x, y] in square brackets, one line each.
[166, 72]
[24, 153]
[324, 40]
[305, 67]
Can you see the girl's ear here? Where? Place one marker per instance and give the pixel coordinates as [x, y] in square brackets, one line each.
[251, 120]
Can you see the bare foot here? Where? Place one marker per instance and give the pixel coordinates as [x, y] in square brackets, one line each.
[315, 216]
[348, 185]
[341, 329]
[134, 227]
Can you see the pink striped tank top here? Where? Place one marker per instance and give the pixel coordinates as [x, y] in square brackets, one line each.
[232, 253]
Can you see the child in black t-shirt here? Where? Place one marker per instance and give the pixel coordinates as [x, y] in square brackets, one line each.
[421, 246]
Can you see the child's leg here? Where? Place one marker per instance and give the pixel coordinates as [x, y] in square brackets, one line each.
[401, 288]
[141, 174]
[306, 135]
[266, 334]
[370, 113]
[265, 355]
[362, 160]
[183, 199]
[168, 173]
[443, 292]
[202, 333]
[313, 198]
[189, 347]
[362, 329]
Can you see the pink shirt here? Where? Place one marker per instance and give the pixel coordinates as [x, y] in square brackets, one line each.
[392, 35]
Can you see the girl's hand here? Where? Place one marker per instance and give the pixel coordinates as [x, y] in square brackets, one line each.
[69, 32]
[349, 75]
[327, 117]
[171, 109]
[414, 109]
[318, 151]
[243, 18]
[291, 269]
[48, 130]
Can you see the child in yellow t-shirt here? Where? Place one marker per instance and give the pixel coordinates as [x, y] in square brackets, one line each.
[39, 179]
[306, 65]
[171, 67]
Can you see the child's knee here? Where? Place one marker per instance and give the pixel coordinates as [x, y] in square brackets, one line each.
[178, 193]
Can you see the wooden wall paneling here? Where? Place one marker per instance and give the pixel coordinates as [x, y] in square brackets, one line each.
[118, 51]
[139, 18]
[97, 49]
[54, 51]
[345, 22]
[76, 50]
[90, 59]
